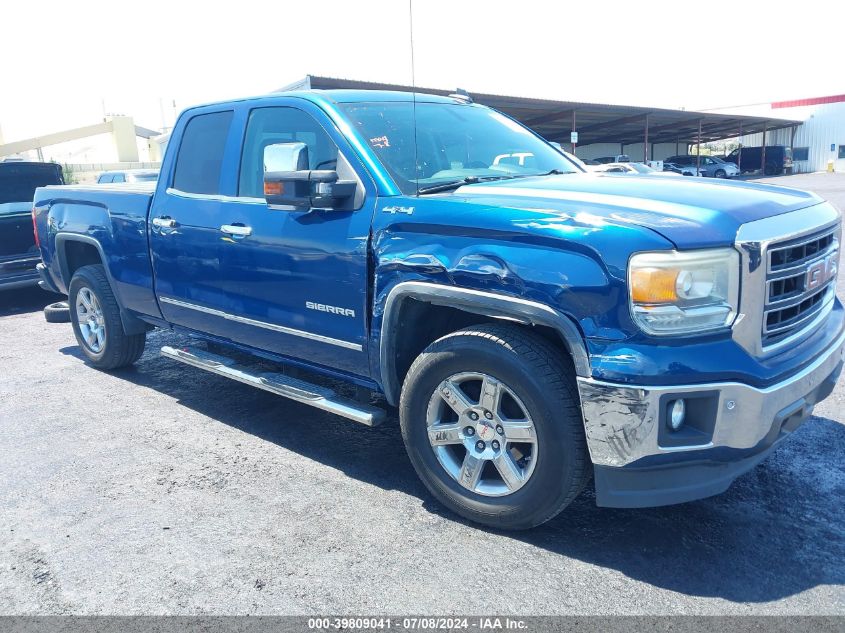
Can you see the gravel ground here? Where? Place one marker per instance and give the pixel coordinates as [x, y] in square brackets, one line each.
[163, 490]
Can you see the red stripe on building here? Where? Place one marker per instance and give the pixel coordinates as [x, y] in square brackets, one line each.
[796, 103]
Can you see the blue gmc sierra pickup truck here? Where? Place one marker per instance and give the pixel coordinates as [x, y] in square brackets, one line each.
[536, 326]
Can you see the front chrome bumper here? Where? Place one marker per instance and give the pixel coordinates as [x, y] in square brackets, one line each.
[625, 424]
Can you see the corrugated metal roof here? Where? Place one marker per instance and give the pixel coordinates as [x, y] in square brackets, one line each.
[594, 122]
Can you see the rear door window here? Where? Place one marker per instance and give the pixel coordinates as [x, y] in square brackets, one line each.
[200, 158]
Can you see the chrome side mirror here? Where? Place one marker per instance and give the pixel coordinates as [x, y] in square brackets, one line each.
[286, 157]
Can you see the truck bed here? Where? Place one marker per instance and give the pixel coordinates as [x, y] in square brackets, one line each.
[112, 216]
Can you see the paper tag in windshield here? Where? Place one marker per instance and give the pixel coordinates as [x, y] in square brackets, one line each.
[380, 141]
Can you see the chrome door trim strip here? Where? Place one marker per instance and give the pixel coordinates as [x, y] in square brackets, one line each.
[263, 324]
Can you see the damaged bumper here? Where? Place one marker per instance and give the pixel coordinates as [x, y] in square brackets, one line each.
[728, 428]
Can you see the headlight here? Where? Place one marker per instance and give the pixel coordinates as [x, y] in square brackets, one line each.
[674, 292]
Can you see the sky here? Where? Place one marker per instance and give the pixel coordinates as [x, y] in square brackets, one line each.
[67, 63]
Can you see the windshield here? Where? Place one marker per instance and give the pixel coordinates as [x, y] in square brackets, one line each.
[643, 169]
[454, 142]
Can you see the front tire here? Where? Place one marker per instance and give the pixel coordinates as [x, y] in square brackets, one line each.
[491, 422]
[721, 173]
[95, 317]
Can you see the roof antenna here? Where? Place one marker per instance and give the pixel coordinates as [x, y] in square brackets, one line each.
[414, 96]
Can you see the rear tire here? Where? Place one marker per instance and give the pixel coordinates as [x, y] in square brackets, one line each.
[95, 317]
[520, 484]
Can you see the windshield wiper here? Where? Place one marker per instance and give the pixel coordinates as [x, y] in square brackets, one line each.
[454, 184]
[471, 180]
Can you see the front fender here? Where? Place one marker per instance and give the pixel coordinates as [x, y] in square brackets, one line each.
[474, 301]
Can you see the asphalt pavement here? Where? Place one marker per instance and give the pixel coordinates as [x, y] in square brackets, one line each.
[161, 489]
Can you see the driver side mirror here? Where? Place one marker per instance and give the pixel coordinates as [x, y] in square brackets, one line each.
[288, 182]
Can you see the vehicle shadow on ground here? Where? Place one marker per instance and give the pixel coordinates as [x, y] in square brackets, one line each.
[777, 531]
[25, 300]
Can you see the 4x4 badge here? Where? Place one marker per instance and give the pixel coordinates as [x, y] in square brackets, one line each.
[405, 210]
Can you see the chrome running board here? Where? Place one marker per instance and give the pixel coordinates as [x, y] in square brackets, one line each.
[313, 395]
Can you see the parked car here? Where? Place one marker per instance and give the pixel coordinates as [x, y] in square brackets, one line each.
[18, 250]
[537, 328]
[684, 170]
[707, 165]
[591, 165]
[639, 169]
[619, 158]
[778, 159]
[128, 175]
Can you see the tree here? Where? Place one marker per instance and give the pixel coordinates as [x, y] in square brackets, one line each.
[69, 174]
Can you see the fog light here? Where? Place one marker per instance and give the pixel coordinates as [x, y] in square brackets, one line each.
[677, 412]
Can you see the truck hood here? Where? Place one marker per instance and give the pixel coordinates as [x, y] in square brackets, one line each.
[690, 212]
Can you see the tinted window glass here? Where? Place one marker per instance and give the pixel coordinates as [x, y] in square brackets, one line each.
[119, 178]
[201, 153]
[19, 181]
[105, 178]
[268, 126]
[801, 153]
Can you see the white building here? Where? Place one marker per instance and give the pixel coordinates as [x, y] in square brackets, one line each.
[818, 140]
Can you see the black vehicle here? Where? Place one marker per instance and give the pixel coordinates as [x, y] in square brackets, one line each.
[18, 251]
[778, 159]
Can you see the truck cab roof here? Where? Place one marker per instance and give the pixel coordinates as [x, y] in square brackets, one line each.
[346, 96]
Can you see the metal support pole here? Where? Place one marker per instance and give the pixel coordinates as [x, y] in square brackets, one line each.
[763, 150]
[645, 141]
[574, 129]
[739, 160]
[792, 146]
[698, 151]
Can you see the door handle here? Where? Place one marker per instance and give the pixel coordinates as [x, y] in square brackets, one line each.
[164, 222]
[236, 230]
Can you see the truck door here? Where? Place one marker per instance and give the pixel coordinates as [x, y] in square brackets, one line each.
[288, 282]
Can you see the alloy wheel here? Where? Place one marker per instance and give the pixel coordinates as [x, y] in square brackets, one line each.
[89, 316]
[482, 434]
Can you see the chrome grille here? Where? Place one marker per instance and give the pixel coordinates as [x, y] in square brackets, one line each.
[800, 284]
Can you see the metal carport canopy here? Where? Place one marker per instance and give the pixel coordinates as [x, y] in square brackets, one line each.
[594, 122]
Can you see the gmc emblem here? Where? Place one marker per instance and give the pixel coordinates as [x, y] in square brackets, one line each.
[821, 272]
